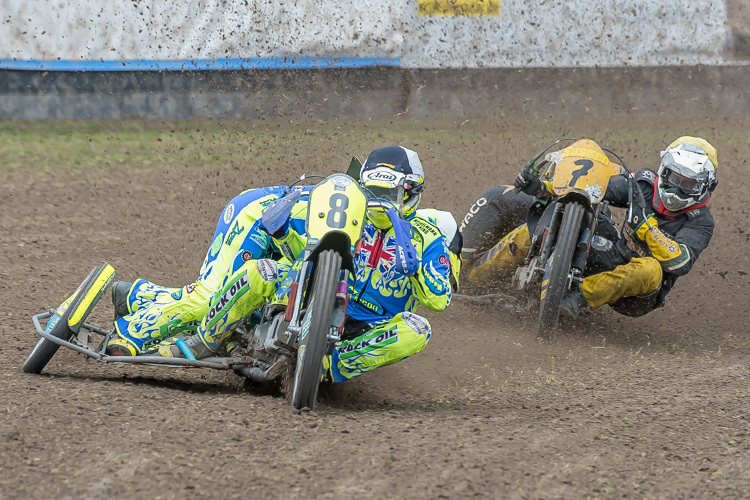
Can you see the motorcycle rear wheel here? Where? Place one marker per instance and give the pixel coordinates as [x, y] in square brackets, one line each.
[557, 276]
[313, 346]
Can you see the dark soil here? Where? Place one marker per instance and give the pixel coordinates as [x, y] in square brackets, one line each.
[655, 407]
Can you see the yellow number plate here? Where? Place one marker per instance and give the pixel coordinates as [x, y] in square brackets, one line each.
[336, 204]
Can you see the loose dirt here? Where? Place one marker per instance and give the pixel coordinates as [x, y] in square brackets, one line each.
[654, 407]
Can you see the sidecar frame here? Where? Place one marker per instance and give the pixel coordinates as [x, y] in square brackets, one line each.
[215, 362]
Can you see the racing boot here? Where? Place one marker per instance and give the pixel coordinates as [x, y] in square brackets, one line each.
[120, 291]
[573, 303]
[172, 350]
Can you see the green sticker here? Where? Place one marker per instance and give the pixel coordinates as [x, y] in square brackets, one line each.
[216, 244]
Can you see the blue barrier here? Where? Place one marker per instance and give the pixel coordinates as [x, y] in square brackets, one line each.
[203, 64]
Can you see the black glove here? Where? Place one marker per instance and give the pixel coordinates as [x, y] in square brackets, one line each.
[528, 183]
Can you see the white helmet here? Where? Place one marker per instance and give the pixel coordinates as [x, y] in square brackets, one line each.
[687, 174]
[394, 177]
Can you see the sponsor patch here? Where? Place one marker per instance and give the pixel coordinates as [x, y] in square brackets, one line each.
[368, 342]
[340, 182]
[416, 322]
[216, 245]
[235, 231]
[229, 213]
[231, 293]
[189, 288]
[425, 227]
[600, 243]
[594, 191]
[259, 239]
[443, 259]
[647, 174]
[473, 211]
[177, 295]
[247, 255]
[268, 269]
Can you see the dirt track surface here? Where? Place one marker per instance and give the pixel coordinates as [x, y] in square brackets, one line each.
[655, 407]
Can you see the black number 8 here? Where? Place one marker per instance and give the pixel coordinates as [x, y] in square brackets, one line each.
[338, 204]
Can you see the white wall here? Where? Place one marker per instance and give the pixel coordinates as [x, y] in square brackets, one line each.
[533, 33]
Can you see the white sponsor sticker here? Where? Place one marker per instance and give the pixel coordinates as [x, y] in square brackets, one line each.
[416, 322]
[340, 182]
[268, 269]
[594, 191]
[229, 213]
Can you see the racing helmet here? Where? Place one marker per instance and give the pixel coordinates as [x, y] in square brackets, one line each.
[687, 174]
[393, 177]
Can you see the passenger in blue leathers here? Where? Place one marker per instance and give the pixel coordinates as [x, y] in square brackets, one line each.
[149, 316]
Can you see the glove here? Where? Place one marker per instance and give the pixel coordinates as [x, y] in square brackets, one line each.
[275, 219]
[528, 183]
[639, 225]
[407, 260]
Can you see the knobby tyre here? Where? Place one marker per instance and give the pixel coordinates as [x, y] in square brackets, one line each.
[557, 277]
[313, 346]
[45, 349]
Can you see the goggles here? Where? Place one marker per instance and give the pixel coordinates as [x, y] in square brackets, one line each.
[687, 185]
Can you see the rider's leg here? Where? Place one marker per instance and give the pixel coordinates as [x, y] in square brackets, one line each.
[501, 259]
[166, 314]
[156, 312]
[243, 291]
[494, 214]
[400, 337]
[641, 276]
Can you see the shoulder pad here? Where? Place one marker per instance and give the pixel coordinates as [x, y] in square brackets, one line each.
[425, 227]
[442, 219]
[645, 174]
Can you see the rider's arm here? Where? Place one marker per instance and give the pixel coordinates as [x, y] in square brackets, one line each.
[291, 244]
[431, 282]
[677, 255]
[617, 193]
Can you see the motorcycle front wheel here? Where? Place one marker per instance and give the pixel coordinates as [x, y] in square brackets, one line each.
[314, 341]
[555, 282]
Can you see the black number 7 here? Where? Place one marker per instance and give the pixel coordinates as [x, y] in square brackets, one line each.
[586, 165]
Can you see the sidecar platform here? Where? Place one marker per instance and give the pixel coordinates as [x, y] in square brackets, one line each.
[81, 344]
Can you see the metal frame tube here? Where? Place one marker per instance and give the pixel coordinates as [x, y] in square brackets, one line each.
[215, 362]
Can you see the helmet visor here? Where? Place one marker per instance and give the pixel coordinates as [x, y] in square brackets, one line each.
[385, 195]
[688, 185]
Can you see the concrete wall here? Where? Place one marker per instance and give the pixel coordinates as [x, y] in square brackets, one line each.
[510, 34]
[377, 93]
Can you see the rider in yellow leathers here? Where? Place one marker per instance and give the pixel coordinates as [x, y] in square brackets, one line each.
[631, 270]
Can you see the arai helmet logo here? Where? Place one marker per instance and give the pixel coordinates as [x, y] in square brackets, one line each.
[381, 176]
